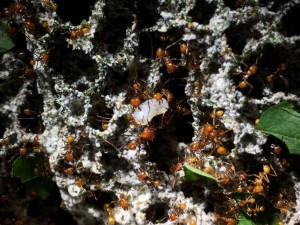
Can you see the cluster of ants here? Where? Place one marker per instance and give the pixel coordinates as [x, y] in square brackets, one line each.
[248, 192]
[20, 13]
[22, 21]
[270, 78]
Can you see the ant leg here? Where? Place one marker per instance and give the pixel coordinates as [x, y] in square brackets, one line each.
[251, 87]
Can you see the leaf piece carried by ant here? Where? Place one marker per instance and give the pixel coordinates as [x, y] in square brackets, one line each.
[283, 122]
[245, 220]
[193, 174]
[26, 169]
[6, 42]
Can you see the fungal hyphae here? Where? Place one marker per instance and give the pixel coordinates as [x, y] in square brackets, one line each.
[149, 109]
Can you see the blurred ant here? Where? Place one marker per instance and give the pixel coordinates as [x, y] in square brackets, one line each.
[79, 32]
[283, 204]
[197, 89]
[278, 74]
[43, 58]
[104, 122]
[21, 11]
[25, 57]
[50, 5]
[252, 211]
[37, 145]
[123, 202]
[227, 220]
[29, 114]
[239, 3]
[178, 209]
[183, 109]
[250, 200]
[110, 212]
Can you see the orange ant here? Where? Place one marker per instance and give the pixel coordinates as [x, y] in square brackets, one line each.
[254, 211]
[148, 133]
[24, 149]
[50, 5]
[80, 32]
[69, 156]
[149, 177]
[177, 167]
[5, 141]
[217, 113]
[136, 100]
[36, 145]
[224, 177]
[261, 177]
[177, 210]
[44, 57]
[283, 204]
[209, 134]
[249, 200]
[227, 220]
[110, 212]
[142, 175]
[168, 62]
[183, 109]
[278, 73]
[123, 202]
[197, 89]
[104, 122]
[250, 71]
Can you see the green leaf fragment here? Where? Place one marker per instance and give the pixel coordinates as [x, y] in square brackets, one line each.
[43, 186]
[23, 167]
[193, 174]
[283, 122]
[6, 42]
[243, 220]
[246, 220]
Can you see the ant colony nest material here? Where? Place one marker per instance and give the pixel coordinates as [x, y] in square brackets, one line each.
[87, 107]
[149, 109]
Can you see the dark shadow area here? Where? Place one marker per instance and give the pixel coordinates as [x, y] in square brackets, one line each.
[202, 12]
[157, 212]
[100, 198]
[5, 4]
[111, 32]
[151, 41]
[72, 65]
[10, 86]
[112, 162]
[3, 122]
[277, 4]
[30, 113]
[50, 209]
[239, 35]
[174, 126]
[77, 107]
[233, 4]
[147, 13]
[99, 113]
[74, 11]
[290, 22]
